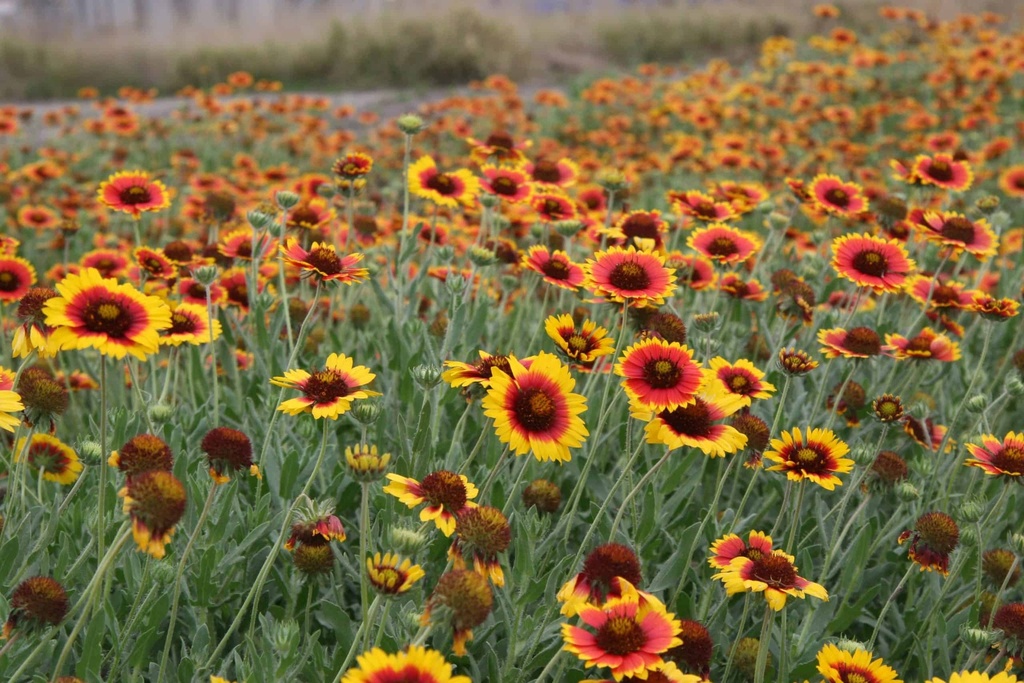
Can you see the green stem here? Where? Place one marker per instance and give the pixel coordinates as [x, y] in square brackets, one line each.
[888, 604]
[176, 589]
[636, 489]
[102, 494]
[213, 361]
[763, 645]
[364, 531]
[261, 578]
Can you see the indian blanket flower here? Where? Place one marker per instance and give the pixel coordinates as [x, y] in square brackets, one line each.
[416, 664]
[933, 538]
[311, 214]
[552, 206]
[643, 228]
[228, 450]
[875, 262]
[462, 374]
[660, 375]
[481, 533]
[190, 324]
[52, 457]
[317, 527]
[352, 167]
[701, 206]
[446, 494]
[830, 194]
[627, 635]
[729, 547]
[942, 170]
[741, 378]
[155, 501]
[36, 602]
[1009, 619]
[142, 453]
[859, 342]
[598, 581]
[16, 277]
[33, 334]
[154, 263]
[444, 189]
[627, 275]
[534, 409]
[992, 308]
[817, 457]
[665, 671]
[365, 463]
[467, 598]
[927, 345]
[322, 262]
[555, 267]
[934, 294]
[977, 677]
[391, 575]
[133, 192]
[583, 345]
[327, 392]
[696, 424]
[561, 173]
[773, 574]
[723, 243]
[508, 184]
[844, 666]
[998, 458]
[959, 232]
[96, 312]
[926, 432]
[498, 146]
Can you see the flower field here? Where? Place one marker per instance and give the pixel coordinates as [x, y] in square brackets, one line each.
[683, 375]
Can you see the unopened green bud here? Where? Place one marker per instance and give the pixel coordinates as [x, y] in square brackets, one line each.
[410, 124]
[969, 536]
[977, 404]
[613, 181]
[326, 190]
[765, 206]
[978, 639]
[1014, 386]
[206, 275]
[406, 541]
[568, 227]
[706, 322]
[427, 375]
[1017, 543]
[284, 636]
[482, 257]
[987, 204]
[258, 220]
[444, 253]
[366, 412]
[537, 230]
[848, 645]
[286, 199]
[456, 283]
[778, 220]
[488, 200]
[160, 413]
[907, 492]
[90, 451]
[971, 510]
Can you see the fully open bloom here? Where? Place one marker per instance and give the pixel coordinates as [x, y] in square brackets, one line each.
[818, 457]
[328, 392]
[96, 312]
[464, 374]
[701, 206]
[628, 634]
[415, 665]
[190, 324]
[637, 277]
[607, 570]
[928, 344]
[832, 195]
[660, 375]
[443, 189]
[584, 345]
[772, 574]
[508, 184]
[959, 232]
[133, 192]
[843, 666]
[859, 342]
[723, 243]
[729, 547]
[741, 378]
[875, 262]
[16, 277]
[55, 459]
[998, 458]
[555, 267]
[446, 494]
[322, 262]
[942, 170]
[534, 409]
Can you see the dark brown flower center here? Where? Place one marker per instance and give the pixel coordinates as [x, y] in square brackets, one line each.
[941, 171]
[181, 324]
[303, 217]
[500, 140]
[136, 194]
[944, 295]
[1010, 460]
[486, 366]
[158, 500]
[809, 459]
[552, 207]
[365, 225]
[325, 386]
[577, 344]
[446, 489]
[691, 420]
[535, 410]
[629, 276]
[958, 229]
[442, 183]
[871, 263]
[607, 561]
[838, 197]
[723, 246]
[890, 467]
[739, 383]
[920, 344]
[938, 531]
[621, 636]
[107, 317]
[640, 225]
[662, 373]
[705, 209]
[546, 172]
[863, 340]
[556, 269]
[776, 571]
[9, 281]
[324, 260]
[504, 185]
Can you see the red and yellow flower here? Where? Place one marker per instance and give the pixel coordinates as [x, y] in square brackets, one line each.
[445, 493]
[773, 574]
[321, 261]
[508, 184]
[190, 324]
[444, 189]
[534, 409]
[133, 192]
[741, 378]
[999, 458]
[414, 665]
[942, 170]
[583, 345]
[723, 243]
[96, 312]
[818, 457]
[627, 635]
[875, 262]
[660, 375]
[55, 459]
[832, 195]
[555, 267]
[959, 232]
[16, 277]
[842, 666]
[328, 392]
[927, 345]
[729, 547]
[627, 275]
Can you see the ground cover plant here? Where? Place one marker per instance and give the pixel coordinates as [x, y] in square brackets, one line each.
[702, 375]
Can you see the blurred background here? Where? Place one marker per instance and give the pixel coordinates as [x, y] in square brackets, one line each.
[51, 48]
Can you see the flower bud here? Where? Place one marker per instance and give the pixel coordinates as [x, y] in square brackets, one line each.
[286, 199]
[1014, 386]
[778, 221]
[543, 495]
[987, 204]
[971, 510]
[284, 636]
[205, 275]
[978, 639]
[488, 200]
[326, 190]
[969, 536]
[907, 492]
[366, 412]
[482, 257]
[445, 253]
[612, 180]
[455, 283]
[90, 451]
[427, 375]
[977, 404]
[410, 124]
[406, 542]
[706, 322]
[258, 220]
[851, 646]
[161, 413]
[1017, 543]
[365, 463]
[568, 228]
